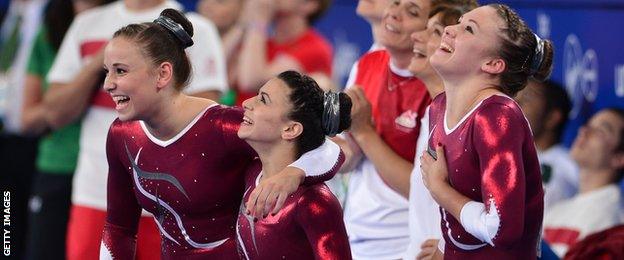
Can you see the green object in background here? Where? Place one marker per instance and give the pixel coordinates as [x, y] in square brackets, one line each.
[229, 98]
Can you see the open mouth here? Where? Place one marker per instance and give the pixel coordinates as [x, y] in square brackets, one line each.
[391, 28]
[121, 101]
[446, 48]
[247, 121]
[419, 53]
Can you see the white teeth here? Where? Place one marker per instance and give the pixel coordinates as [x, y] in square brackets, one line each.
[446, 47]
[119, 99]
[419, 53]
[391, 28]
[247, 120]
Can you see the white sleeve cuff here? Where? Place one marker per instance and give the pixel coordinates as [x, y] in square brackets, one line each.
[320, 160]
[479, 223]
[441, 245]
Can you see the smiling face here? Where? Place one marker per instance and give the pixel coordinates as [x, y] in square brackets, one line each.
[596, 143]
[130, 79]
[467, 46]
[401, 19]
[426, 42]
[266, 114]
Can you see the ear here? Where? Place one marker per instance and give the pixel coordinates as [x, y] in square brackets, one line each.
[617, 161]
[553, 119]
[292, 130]
[310, 6]
[494, 66]
[164, 75]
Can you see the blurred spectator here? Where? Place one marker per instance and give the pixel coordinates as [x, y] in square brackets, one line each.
[292, 43]
[388, 103]
[599, 152]
[75, 79]
[546, 105]
[226, 14]
[58, 150]
[607, 244]
[17, 151]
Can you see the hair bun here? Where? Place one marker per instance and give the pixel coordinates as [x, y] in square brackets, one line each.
[176, 23]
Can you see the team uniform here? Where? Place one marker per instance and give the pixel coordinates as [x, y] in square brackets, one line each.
[376, 217]
[491, 159]
[192, 184]
[559, 175]
[571, 220]
[308, 227]
[424, 213]
[89, 32]
[311, 50]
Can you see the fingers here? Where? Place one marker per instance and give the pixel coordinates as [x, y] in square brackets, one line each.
[280, 202]
[259, 209]
[429, 243]
[253, 198]
[270, 203]
[440, 152]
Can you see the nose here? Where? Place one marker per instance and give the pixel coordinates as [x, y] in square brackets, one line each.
[247, 104]
[418, 36]
[392, 10]
[450, 30]
[109, 84]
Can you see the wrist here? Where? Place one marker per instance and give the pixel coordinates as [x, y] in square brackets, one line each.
[259, 26]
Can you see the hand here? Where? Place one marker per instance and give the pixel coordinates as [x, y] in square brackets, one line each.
[434, 172]
[260, 11]
[353, 153]
[361, 115]
[428, 249]
[272, 192]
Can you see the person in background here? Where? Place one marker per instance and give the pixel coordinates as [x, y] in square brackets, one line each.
[226, 14]
[388, 103]
[278, 37]
[546, 105]
[58, 150]
[17, 150]
[599, 152]
[75, 92]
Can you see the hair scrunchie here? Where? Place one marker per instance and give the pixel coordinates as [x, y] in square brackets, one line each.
[538, 55]
[331, 113]
[176, 29]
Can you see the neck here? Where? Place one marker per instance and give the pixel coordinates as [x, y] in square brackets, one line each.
[274, 157]
[400, 58]
[140, 5]
[593, 179]
[375, 30]
[545, 140]
[463, 95]
[433, 83]
[167, 121]
[289, 27]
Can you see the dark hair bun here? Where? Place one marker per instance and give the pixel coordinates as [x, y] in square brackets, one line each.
[545, 68]
[345, 112]
[179, 18]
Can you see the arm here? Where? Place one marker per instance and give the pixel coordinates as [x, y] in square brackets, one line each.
[270, 195]
[66, 102]
[353, 153]
[391, 167]
[33, 111]
[253, 66]
[319, 214]
[123, 213]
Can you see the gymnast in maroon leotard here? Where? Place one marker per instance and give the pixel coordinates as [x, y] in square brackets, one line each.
[290, 116]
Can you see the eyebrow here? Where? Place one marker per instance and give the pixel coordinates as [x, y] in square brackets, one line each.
[475, 22]
[415, 4]
[265, 95]
[607, 126]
